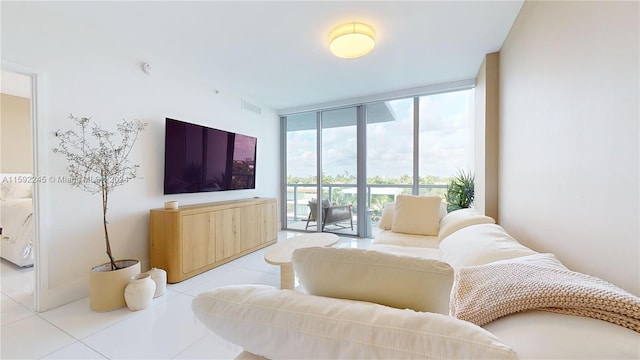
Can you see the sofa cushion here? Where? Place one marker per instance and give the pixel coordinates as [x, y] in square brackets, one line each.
[418, 215]
[419, 252]
[285, 324]
[393, 238]
[398, 281]
[538, 334]
[480, 244]
[459, 219]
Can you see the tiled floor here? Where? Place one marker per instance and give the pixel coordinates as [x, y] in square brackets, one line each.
[166, 330]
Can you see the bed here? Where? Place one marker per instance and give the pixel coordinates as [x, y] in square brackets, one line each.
[16, 219]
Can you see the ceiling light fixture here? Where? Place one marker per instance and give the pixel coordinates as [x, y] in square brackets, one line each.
[353, 40]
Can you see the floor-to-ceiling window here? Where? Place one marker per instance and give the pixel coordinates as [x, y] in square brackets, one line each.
[445, 123]
[372, 152]
[301, 167]
[390, 148]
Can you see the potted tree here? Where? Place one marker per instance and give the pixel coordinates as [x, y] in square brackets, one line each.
[98, 163]
[461, 191]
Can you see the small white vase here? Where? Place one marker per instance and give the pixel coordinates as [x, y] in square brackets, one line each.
[159, 276]
[139, 292]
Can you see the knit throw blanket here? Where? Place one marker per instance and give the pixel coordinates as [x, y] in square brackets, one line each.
[484, 293]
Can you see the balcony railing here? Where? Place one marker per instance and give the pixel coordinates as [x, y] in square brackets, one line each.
[294, 192]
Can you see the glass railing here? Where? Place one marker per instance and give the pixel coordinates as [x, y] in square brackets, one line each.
[377, 195]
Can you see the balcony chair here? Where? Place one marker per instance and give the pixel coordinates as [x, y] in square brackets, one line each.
[331, 214]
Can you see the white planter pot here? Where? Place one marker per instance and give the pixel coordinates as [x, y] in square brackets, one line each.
[106, 286]
[139, 292]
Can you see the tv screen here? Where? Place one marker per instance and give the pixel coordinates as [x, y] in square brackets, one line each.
[201, 159]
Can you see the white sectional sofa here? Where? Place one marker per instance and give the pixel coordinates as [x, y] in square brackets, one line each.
[504, 300]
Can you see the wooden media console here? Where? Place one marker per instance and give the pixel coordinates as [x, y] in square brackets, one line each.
[195, 238]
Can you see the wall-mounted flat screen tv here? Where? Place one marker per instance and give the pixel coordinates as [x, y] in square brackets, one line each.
[202, 159]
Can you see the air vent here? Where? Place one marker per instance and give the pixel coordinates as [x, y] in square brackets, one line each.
[251, 107]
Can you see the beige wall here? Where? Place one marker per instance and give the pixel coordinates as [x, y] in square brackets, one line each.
[15, 135]
[486, 136]
[569, 135]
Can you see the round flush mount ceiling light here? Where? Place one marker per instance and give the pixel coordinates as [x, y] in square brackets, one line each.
[352, 40]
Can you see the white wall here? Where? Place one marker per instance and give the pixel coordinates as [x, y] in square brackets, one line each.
[569, 153]
[87, 75]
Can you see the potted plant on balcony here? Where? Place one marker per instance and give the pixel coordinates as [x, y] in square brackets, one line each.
[461, 191]
[98, 163]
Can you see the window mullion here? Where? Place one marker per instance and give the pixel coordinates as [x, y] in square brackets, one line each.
[415, 189]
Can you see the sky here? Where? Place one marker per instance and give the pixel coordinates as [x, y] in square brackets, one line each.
[446, 141]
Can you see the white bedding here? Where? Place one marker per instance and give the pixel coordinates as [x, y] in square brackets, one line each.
[16, 220]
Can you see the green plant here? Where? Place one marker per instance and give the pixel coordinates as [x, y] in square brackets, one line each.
[460, 192]
[99, 160]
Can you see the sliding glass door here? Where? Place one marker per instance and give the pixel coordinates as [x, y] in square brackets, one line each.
[301, 169]
[344, 165]
[336, 193]
[339, 170]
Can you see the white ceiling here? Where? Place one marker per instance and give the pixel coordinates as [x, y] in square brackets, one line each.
[276, 54]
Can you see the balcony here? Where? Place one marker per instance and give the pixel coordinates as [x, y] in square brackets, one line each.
[377, 195]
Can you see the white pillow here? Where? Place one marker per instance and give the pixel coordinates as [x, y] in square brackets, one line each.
[398, 281]
[285, 324]
[386, 220]
[480, 244]
[419, 215]
[442, 212]
[459, 219]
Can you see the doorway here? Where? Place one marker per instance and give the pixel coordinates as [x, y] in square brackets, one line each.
[322, 177]
[18, 212]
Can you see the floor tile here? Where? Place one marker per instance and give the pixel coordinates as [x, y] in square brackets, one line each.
[211, 346]
[32, 338]
[78, 320]
[159, 332]
[255, 261]
[12, 310]
[76, 350]
[18, 283]
[188, 284]
[237, 276]
[349, 242]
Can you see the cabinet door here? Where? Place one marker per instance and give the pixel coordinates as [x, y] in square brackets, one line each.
[268, 221]
[198, 246]
[250, 230]
[226, 230]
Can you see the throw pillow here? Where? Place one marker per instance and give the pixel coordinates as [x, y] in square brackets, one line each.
[285, 324]
[386, 220]
[459, 219]
[419, 215]
[398, 281]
